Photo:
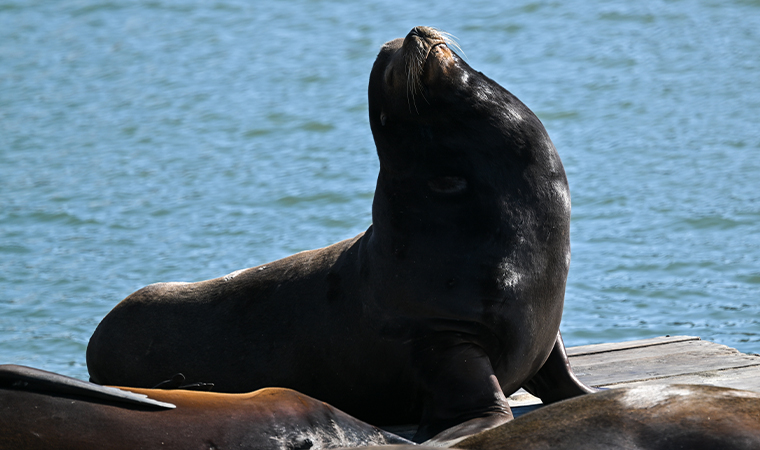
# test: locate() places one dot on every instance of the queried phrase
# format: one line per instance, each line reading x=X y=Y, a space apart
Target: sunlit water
x=145 y=141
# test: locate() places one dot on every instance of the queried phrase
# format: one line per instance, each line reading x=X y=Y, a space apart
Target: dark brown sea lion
x=41 y=410
x=652 y=417
x=452 y=298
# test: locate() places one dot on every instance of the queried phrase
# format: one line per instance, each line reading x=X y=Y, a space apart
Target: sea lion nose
x=423 y=32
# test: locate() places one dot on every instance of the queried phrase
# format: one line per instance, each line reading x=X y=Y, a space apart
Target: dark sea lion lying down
x=650 y=417
x=653 y=417
x=450 y=300
x=43 y=410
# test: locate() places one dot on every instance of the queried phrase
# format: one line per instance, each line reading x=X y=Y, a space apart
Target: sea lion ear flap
x=383 y=118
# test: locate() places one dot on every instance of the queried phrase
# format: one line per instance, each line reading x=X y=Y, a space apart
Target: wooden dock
x=661 y=360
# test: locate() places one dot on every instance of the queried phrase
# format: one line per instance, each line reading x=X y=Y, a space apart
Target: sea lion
x=452 y=297
x=40 y=409
x=649 y=417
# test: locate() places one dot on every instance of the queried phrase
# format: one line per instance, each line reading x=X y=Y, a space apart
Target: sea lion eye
x=448 y=185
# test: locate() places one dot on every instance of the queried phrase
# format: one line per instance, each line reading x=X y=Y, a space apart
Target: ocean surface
x=166 y=140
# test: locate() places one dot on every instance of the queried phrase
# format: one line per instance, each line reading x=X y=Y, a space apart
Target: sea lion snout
x=428 y=35
x=425 y=52
x=413 y=65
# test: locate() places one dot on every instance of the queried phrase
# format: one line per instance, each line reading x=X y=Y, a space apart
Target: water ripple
x=153 y=140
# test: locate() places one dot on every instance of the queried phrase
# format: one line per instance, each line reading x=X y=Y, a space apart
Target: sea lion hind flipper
x=30 y=379
x=555 y=380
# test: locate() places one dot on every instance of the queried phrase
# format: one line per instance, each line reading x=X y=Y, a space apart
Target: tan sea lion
x=43 y=410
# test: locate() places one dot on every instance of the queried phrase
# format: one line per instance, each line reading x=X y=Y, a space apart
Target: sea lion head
x=431 y=113
x=412 y=66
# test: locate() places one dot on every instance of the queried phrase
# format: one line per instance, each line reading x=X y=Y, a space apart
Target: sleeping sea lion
x=43 y=410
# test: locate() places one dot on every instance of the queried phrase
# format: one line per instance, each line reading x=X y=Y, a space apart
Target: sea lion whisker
x=411 y=85
x=407 y=65
x=408 y=87
x=422 y=91
x=451 y=41
x=413 y=80
x=417 y=78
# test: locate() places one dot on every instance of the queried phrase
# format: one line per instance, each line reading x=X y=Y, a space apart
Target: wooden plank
x=664 y=361
x=679 y=353
x=747 y=378
x=617 y=346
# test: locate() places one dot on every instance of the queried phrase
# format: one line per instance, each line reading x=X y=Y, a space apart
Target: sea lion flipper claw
x=175 y=382
x=171 y=383
x=200 y=386
x=555 y=380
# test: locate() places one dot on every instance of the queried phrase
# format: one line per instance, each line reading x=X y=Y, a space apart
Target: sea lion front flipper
x=31 y=379
x=555 y=380
x=462 y=393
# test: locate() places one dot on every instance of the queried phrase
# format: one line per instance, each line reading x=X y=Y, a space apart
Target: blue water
x=146 y=141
